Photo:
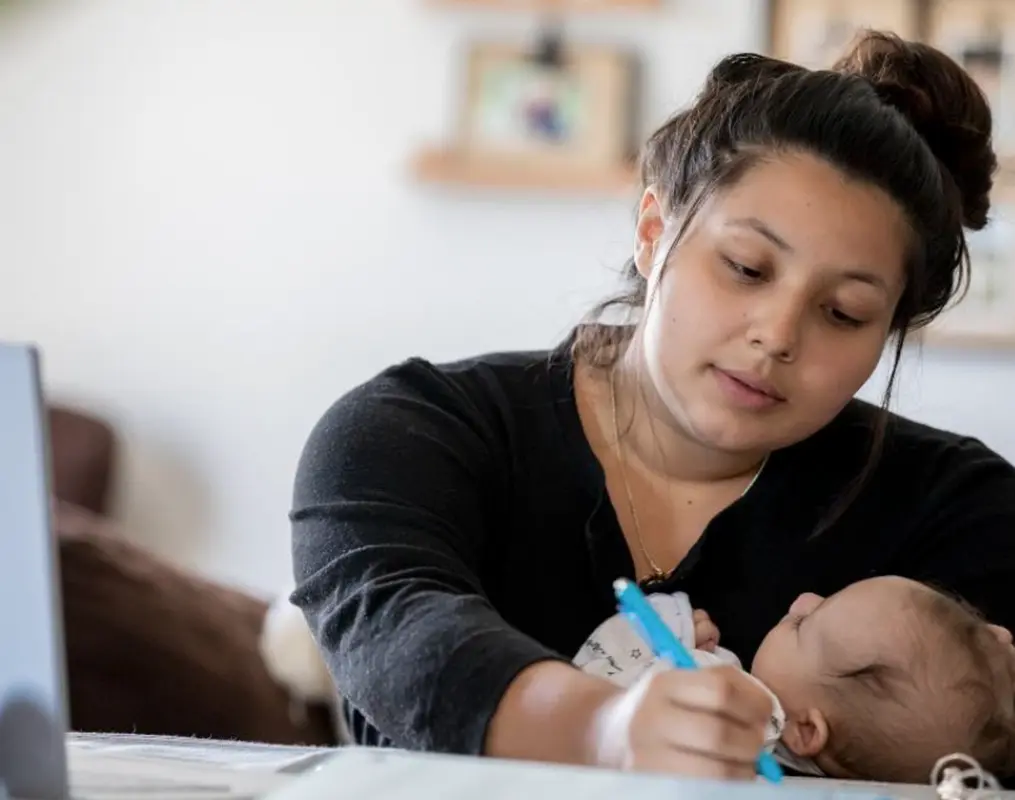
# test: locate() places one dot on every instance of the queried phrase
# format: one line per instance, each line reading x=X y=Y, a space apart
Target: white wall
x=205 y=222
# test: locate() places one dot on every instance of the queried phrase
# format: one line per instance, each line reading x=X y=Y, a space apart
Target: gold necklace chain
x=658 y=574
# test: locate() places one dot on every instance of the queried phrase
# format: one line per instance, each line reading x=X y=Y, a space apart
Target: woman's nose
x=805 y=604
x=776 y=330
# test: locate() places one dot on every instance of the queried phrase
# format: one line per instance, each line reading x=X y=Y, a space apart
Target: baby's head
x=883 y=678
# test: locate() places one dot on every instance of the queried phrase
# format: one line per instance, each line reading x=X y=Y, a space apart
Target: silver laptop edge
x=33 y=693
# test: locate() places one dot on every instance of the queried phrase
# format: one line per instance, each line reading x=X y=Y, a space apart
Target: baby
x=876 y=682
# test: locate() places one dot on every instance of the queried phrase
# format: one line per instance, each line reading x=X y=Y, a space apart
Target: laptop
x=33 y=685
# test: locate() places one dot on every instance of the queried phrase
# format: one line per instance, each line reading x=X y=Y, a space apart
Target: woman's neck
x=651 y=438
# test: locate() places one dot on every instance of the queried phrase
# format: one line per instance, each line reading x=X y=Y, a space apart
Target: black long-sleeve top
x=451 y=527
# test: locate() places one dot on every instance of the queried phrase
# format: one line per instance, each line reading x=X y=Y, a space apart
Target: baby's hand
x=706 y=634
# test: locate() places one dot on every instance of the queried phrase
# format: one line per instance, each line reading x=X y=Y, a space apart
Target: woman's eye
x=743 y=271
x=842 y=318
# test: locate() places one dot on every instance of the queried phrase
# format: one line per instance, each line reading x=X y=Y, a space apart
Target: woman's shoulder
x=913 y=460
x=940 y=505
x=470 y=386
x=907 y=439
x=421 y=423
x=473 y=404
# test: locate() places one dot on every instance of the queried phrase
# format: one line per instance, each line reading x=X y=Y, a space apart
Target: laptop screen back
x=33 y=718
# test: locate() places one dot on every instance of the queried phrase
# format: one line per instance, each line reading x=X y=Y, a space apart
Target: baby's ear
x=806 y=733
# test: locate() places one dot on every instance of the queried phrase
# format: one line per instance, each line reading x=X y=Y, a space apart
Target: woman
x=457 y=527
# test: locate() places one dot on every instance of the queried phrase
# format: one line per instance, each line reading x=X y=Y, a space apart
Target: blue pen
x=639 y=612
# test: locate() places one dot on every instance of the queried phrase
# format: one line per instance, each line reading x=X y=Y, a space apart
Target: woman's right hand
x=707 y=723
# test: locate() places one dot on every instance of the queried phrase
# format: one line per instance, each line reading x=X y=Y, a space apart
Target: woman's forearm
x=549 y=713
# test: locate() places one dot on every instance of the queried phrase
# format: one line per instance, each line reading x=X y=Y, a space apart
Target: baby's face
x=821 y=639
x=868 y=655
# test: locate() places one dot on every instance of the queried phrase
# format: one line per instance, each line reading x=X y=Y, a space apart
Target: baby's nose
x=805 y=604
x=1003 y=634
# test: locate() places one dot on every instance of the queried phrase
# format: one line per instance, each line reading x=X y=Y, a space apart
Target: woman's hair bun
x=942 y=102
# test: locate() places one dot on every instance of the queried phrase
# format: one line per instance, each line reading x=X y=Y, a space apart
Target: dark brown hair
x=899 y=115
x=957 y=695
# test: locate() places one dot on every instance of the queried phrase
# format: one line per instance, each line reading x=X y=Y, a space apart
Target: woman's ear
x=648 y=232
x=806 y=733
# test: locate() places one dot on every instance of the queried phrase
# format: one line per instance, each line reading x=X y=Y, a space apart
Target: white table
x=359 y=774
x=103 y=767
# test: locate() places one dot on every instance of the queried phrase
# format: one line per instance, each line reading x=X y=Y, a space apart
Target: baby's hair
x=958 y=696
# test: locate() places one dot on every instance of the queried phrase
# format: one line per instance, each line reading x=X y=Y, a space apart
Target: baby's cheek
x=772 y=657
x=781 y=668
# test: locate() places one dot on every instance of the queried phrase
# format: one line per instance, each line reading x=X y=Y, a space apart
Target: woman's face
x=774 y=307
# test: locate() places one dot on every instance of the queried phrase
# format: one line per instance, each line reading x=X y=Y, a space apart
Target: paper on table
x=231 y=754
x=167 y=768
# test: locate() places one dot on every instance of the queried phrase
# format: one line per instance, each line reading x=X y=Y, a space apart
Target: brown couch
x=151 y=648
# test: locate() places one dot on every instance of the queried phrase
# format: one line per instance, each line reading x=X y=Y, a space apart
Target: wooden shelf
x=948 y=340
x=452 y=168
x=571 y=6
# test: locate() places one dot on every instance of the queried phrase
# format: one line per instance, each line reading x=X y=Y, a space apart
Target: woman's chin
x=729 y=433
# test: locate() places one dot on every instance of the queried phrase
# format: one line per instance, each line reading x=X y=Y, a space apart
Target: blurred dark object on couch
x=151 y=648
x=82 y=458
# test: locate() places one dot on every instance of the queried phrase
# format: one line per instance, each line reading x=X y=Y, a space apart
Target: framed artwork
x=980 y=35
x=557 y=106
x=814 y=33
x=986 y=315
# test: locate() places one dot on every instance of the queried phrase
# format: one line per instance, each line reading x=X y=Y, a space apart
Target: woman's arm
x=551 y=712
x=388 y=528
x=708 y=723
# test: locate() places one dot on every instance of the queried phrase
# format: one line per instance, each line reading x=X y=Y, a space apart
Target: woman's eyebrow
x=870 y=278
x=755 y=224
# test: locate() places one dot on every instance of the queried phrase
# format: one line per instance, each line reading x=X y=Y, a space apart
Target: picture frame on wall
x=980 y=35
x=985 y=315
x=814 y=33
x=554 y=106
